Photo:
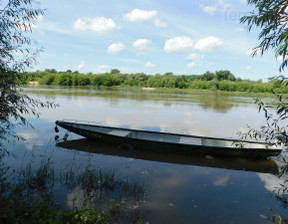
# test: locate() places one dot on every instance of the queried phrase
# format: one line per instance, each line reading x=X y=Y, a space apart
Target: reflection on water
x=177 y=189
x=244 y=164
x=207 y=100
x=272 y=182
x=187 y=112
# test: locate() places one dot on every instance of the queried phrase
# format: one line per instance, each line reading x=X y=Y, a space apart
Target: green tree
x=208 y=76
x=48 y=79
x=17 y=53
x=272 y=18
x=224 y=75
x=115 y=71
x=53 y=70
x=63 y=79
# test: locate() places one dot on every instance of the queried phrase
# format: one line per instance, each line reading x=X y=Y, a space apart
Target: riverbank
x=220 y=81
x=85 y=89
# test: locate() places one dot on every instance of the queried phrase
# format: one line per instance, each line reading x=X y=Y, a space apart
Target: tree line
x=222 y=80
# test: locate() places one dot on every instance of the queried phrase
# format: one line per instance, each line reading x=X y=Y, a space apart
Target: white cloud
x=208 y=44
x=81 y=65
x=158 y=22
x=80 y=25
x=222 y=181
x=138 y=15
x=194 y=56
x=209 y=9
x=28 y=134
x=116 y=48
x=97 y=24
x=150 y=65
x=272 y=182
x=191 y=65
x=221 y=5
x=179 y=45
x=248 y=67
x=102 y=68
x=141 y=44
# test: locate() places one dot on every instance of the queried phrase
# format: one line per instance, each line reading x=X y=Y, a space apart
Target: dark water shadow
x=243 y=164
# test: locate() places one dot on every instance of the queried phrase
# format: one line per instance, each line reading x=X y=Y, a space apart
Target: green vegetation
x=220 y=80
x=27 y=196
x=18 y=52
x=272 y=19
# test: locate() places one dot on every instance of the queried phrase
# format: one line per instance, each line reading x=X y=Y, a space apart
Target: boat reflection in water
x=234 y=163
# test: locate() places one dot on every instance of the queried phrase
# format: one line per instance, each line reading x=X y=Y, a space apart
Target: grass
x=27 y=196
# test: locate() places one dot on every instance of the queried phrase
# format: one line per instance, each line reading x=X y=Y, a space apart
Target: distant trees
x=208 y=76
x=105 y=80
x=222 y=80
x=168 y=80
x=224 y=75
x=53 y=70
x=115 y=71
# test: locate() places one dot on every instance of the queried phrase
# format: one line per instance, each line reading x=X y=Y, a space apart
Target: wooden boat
x=230 y=163
x=128 y=139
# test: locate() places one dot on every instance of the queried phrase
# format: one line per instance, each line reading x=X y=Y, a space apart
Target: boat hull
x=118 y=138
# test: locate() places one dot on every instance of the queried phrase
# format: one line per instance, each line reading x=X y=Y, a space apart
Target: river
x=173 y=189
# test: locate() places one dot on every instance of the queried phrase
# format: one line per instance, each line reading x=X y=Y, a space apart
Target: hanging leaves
x=17 y=53
x=272 y=17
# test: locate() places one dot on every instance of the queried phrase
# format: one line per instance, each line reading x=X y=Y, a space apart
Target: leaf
x=283 y=118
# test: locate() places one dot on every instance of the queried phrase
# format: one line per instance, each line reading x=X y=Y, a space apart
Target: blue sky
x=183 y=37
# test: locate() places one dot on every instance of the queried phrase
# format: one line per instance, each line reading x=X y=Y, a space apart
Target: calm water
x=178 y=189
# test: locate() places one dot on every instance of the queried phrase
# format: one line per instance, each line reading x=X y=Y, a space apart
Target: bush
x=47 y=79
x=63 y=80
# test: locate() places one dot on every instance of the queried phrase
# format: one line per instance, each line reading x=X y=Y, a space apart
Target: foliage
x=225 y=75
x=222 y=80
x=271 y=16
x=17 y=19
x=208 y=76
x=274 y=132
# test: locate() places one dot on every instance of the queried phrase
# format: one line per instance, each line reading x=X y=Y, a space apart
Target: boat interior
x=175 y=138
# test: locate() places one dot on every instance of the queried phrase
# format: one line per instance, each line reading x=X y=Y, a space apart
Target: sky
x=150 y=36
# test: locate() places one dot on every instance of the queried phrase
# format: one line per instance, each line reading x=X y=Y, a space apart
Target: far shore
x=148 y=89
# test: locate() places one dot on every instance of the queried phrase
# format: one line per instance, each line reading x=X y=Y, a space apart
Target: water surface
x=179 y=189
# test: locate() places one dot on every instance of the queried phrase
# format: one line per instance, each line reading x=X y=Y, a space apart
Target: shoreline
x=152 y=89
